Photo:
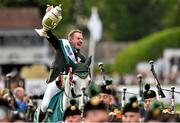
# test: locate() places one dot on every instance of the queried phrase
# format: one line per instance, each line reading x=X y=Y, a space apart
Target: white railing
x=24 y=55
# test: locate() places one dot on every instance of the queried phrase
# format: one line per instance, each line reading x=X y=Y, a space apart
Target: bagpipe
x=165 y=109
x=114 y=109
x=171 y=109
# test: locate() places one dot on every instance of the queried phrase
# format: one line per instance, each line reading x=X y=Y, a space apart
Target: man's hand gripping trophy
x=50 y=20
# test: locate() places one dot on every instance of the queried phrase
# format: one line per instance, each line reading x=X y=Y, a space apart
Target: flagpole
x=95 y=27
x=92 y=53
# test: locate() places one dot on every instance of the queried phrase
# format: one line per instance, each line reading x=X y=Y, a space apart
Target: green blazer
x=59 y=64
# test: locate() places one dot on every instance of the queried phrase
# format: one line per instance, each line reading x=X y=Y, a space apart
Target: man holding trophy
x=64 y=49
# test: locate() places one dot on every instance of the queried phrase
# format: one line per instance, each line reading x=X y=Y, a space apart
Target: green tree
x=133 y=19
x=123 y=20
x=172 y=18
x=146 y=49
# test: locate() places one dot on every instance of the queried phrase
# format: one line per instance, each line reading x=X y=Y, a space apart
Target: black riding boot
x=41 y=116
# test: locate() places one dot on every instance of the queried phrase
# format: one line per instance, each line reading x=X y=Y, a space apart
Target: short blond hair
x=70 y=35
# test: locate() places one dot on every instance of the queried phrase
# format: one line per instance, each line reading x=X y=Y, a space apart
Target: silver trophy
x=50 y=21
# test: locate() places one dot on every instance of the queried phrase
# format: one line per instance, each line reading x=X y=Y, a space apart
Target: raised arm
x=53 y=39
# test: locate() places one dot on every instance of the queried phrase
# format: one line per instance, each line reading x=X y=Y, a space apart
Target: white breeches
x=51 y=90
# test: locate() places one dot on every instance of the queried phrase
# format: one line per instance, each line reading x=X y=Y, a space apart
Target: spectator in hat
x=95 y=111
x=149 y=96
x=72 y=113
x=106 y=93
x=130 y=111
x=155 y=112
x=108 y=96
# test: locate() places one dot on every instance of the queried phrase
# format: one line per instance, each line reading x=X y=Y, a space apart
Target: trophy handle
x=42 y=33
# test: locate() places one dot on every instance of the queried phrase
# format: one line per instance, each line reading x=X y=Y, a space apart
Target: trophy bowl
x=50 y=21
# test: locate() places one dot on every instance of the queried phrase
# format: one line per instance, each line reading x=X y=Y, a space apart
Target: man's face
x=20 y=94
x=131 y=117
x=77 y=40
x=97 y=116
x=147 y=103
x=106 y=98
x=73 y=118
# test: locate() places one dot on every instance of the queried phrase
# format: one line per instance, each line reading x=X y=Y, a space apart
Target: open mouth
x=79 y=44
